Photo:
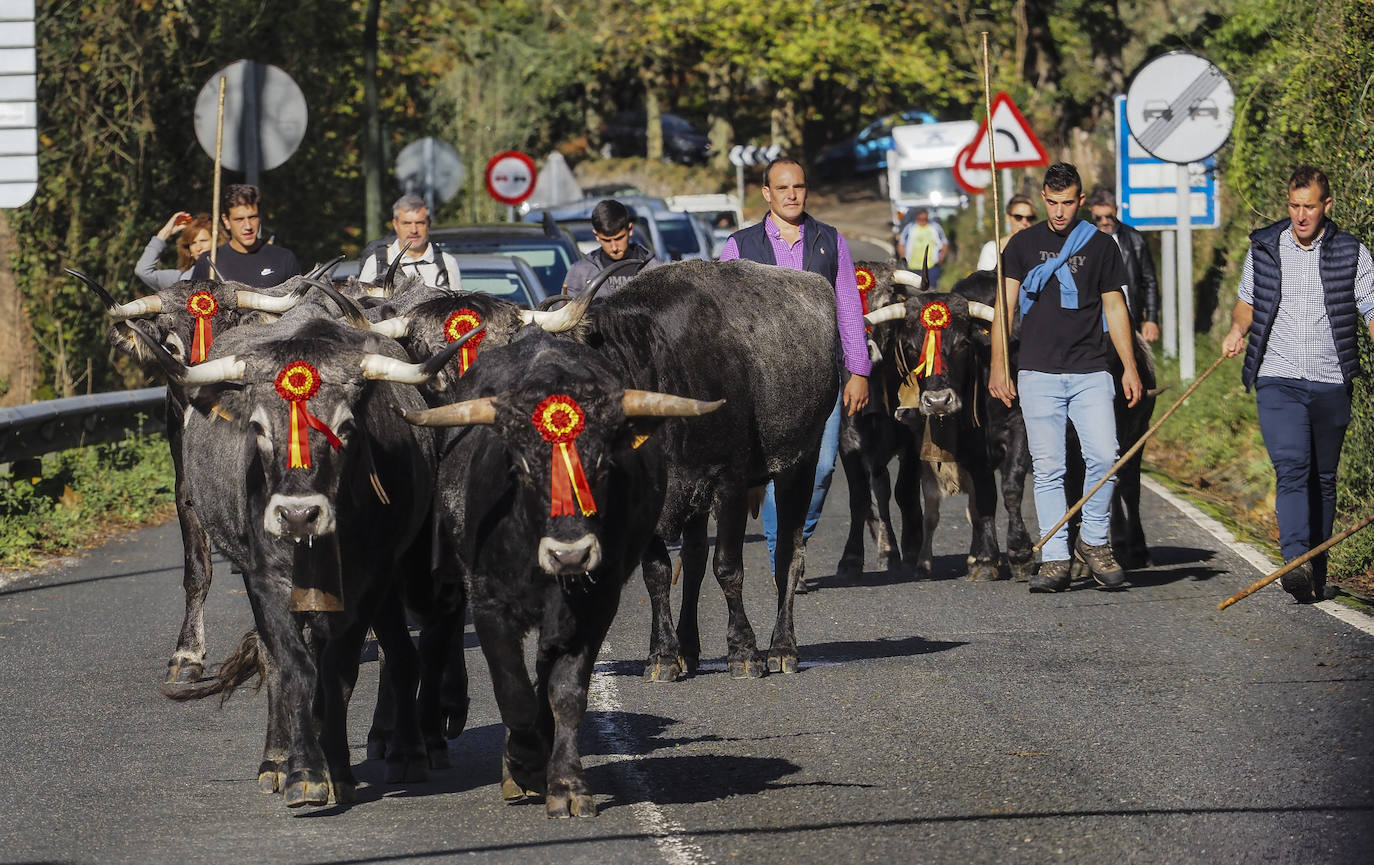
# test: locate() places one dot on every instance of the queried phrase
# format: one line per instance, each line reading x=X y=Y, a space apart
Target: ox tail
x=246 y=662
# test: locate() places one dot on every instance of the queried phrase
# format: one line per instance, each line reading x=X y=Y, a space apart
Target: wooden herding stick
x=219 y=150
x=1130 y=453
x=1000 y=299
x=1300 y=560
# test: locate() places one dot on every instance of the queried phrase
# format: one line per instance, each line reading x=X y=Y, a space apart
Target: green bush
x=81 y=495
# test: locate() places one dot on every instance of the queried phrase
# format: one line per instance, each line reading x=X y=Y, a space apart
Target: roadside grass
x=79 y=497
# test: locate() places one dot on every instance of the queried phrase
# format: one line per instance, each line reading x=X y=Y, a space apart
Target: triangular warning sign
x=1016 y=146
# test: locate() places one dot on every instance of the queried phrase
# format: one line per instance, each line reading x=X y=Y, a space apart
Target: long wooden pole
x=1000 y=299
x=1299 y=561
x=1140 y=443
x=219 y=151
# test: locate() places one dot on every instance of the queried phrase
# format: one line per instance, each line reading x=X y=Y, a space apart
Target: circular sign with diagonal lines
x=1180 y=107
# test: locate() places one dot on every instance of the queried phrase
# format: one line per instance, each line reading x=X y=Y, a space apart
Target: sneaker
x=1051 y=577
x=1298 y=583
x=1101 y=564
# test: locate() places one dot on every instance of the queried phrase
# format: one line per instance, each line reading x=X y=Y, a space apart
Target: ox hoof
x=184 y=672
x=983 y=572
x=407 y=770
x=782 y=662
x=748 y=668
x=656 y=670
x=849 y=570
x=1021 y=571
x=574 y=805
x=271 y=777
x=437 y=749
x=513 y=792
x=345 y=793
x=923 y=570
x=300 y=790
x=376 y=747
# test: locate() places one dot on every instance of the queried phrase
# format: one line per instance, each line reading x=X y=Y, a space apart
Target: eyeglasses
x=1022 y=217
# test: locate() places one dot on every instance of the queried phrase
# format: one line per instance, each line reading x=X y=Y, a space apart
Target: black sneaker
x=1051 y=577
x=1101 y=564
x=1298 y=583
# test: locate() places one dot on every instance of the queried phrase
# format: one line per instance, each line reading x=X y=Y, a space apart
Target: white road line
x=669 y=836
x=1258 y=560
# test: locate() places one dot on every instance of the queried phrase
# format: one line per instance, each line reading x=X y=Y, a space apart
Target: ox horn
x=389 y=283
x=386 y=368
x=350 y=310
x=137 y=308
x=907 y=277
x=470 y=412
x=980 y=310
x=891 y=312
x=323 y=271
x=217 y=371
x=248 y=299
x=567 y=317
x=396 y=328
x=647 y=403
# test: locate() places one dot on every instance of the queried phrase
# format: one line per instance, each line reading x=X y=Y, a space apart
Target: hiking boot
x=1051 y=577
x=1101 y=564
x=1298 y=583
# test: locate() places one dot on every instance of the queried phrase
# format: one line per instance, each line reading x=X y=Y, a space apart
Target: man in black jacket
x=1142 y=294
x=613 y=227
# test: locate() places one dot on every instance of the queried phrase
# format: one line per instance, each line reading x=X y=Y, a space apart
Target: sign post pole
x=1168 y=315
x=1186 y=363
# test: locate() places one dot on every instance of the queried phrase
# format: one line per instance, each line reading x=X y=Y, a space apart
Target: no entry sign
x=510 y=177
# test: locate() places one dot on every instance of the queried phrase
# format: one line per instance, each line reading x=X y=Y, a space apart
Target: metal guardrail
x=60 y=424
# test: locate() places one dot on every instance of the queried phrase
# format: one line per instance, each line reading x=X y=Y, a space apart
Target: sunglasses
x=1022 y=217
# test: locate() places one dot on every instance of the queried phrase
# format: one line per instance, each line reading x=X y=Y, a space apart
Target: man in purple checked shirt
x=789 y=237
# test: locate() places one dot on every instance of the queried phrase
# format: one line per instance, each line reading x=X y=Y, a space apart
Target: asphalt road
x=937 y=722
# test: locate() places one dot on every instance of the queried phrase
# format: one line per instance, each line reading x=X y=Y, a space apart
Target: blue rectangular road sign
x=1147 y=187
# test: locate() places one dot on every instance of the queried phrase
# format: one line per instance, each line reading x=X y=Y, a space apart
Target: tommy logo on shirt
x=1075 y=261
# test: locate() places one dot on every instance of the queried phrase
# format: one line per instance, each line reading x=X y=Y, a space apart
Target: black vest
x=820 y=255
x=1340 y=255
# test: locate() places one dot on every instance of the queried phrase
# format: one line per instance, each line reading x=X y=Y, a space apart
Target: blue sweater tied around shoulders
x=1035 y=281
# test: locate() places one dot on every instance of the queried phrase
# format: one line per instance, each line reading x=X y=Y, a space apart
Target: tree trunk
x=16 y=346
x=372 y=136
x=653 y=122
x=722 y=131
x=785 y=123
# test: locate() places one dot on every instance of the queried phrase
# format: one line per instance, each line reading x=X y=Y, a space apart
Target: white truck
x=920 y=168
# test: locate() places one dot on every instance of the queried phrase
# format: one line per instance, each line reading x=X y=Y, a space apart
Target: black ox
x=548 y=497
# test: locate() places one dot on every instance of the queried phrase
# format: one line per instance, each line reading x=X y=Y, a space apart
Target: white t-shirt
x=423 y=267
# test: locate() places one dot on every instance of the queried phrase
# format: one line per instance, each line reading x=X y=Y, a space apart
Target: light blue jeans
x=1048 y=401
x=825 y=468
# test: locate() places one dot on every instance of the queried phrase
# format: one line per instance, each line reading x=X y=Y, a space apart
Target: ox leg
x=1015 y=465
x=907 y=494
x=187 y=663
x=406 y=758
x=694 y=550
x=880 y=524
x=1127 y=531
x=272 y=769
x=792 y=493
x=526 y=755
x=665 y=662
x=984 y=556
x=851 y=566
x=742 y=652
x=930 y=519
x=565 y=672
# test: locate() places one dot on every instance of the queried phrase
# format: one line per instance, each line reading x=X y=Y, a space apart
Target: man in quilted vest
x=1305 y=288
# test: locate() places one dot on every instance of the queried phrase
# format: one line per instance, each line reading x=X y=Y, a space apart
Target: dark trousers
x=1303 y=424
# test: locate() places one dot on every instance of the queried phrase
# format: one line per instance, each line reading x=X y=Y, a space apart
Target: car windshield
x=643 y=233
x=549 y=260
x=921 y=182
x=678 y=235
x=673 y=123
x=501 y=283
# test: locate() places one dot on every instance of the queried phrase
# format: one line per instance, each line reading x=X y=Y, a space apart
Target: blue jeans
x=825 y=468
x=1303 y=424
x=1048 y=401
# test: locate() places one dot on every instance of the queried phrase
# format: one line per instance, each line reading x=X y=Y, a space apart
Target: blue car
x=865 y=152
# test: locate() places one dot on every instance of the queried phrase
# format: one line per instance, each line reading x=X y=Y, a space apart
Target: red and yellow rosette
x=560 y=420
x=935 y=317
x=297 y=382
x=203 y=306
x=864 y=280
x=461 y=322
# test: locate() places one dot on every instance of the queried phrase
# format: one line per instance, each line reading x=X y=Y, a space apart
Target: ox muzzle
x=575 y=558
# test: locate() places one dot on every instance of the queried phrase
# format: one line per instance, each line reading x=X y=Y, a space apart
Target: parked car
x=505 y=276
x=624 y=135
x=672 y=235
x=546 y=248
x=865 y=151
x=719 y=215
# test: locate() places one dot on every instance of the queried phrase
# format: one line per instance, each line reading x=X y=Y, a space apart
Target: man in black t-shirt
x=246 y=258
x=1067 y=280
